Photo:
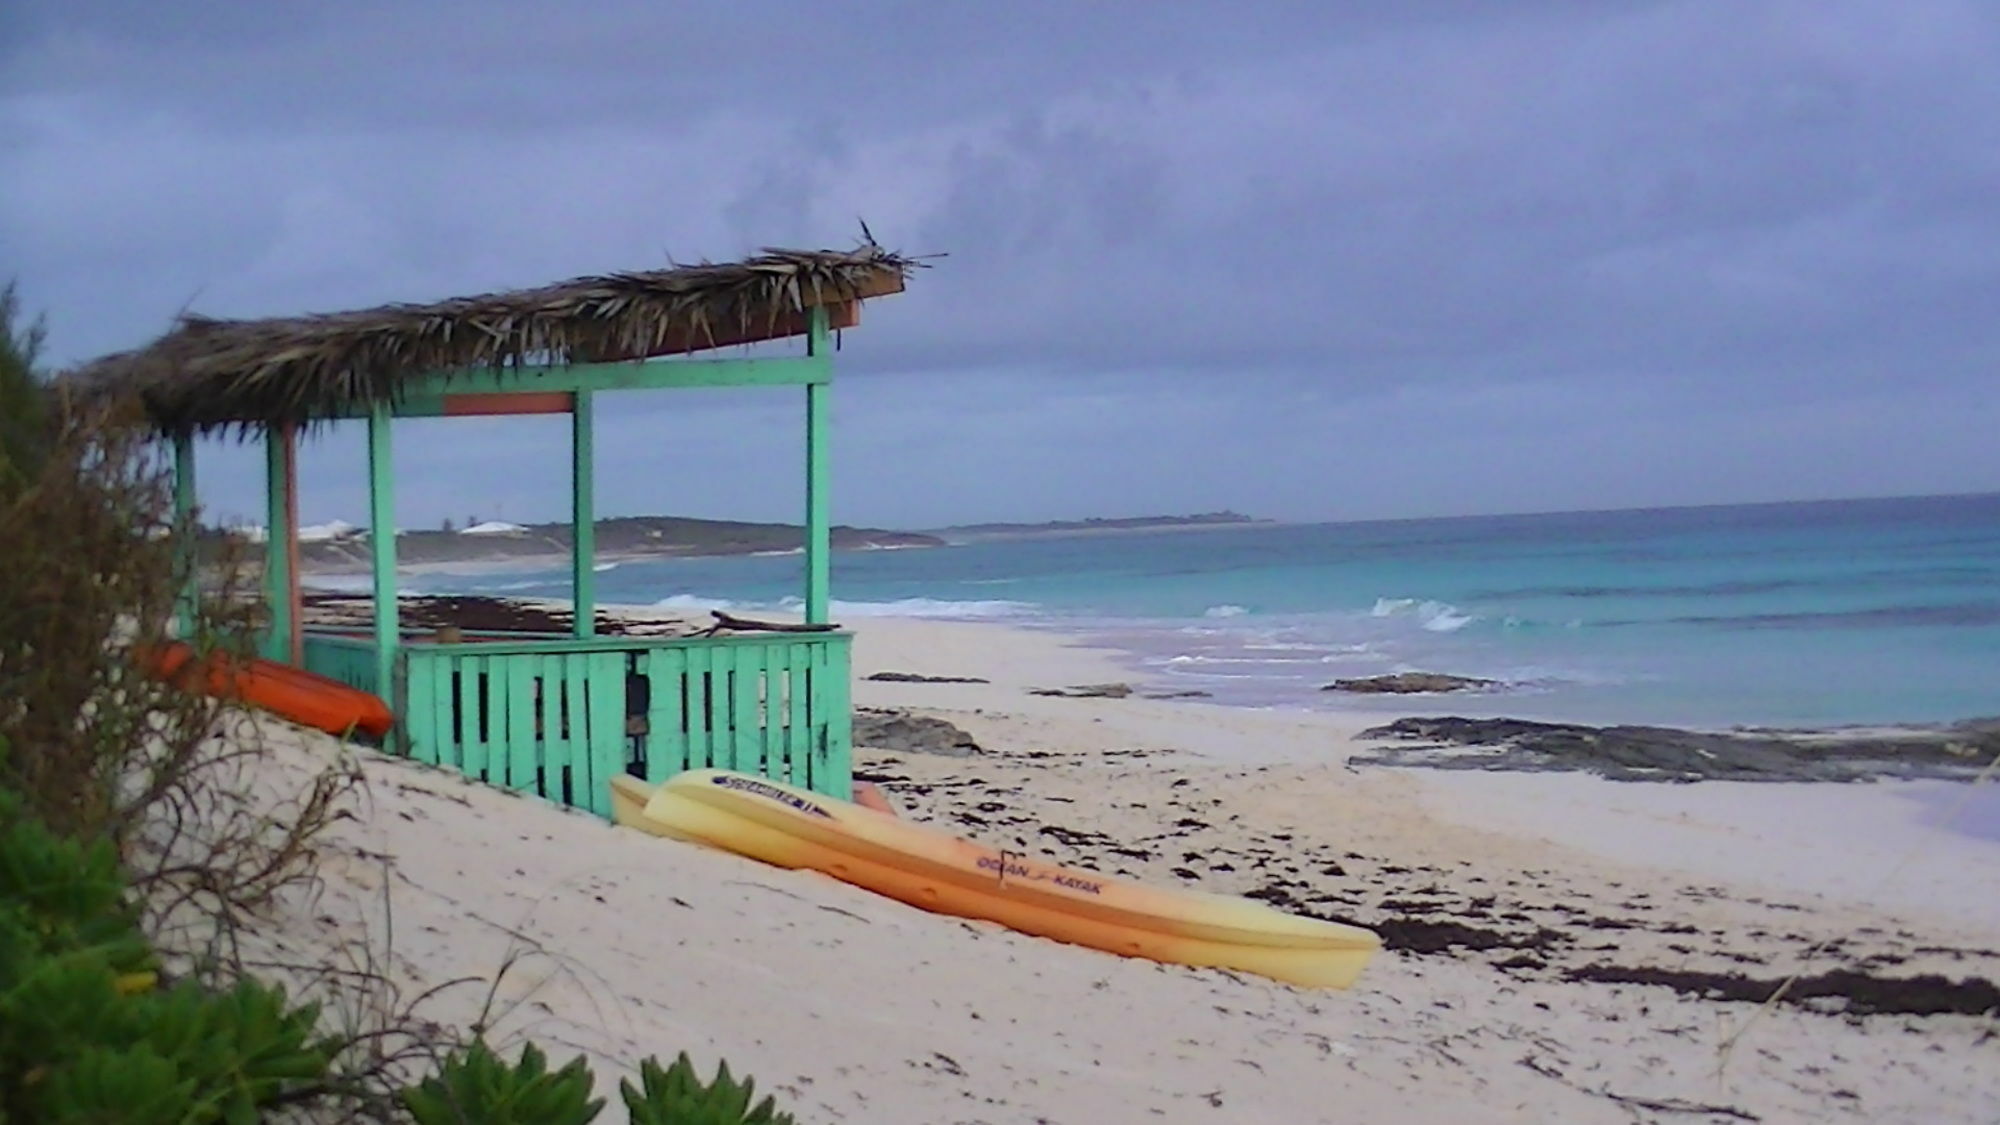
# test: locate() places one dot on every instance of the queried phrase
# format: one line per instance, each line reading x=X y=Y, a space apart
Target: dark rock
x=920 y=678
x=1190 y=694
x=902 y=732
x=1406 y=683
x=1087 y=691
x=1640 y=753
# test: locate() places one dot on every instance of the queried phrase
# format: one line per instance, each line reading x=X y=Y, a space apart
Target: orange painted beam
x=519 y=402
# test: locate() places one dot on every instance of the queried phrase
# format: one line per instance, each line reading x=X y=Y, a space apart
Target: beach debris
x=731 y=621
x=1086 y=691
x=903 y=732
x=1640 y=753
x=1857 y=993
x=921 y=678
x=1411 y=683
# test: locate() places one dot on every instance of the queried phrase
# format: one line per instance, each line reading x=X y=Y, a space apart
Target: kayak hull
x=306 y=698
x=794 y=828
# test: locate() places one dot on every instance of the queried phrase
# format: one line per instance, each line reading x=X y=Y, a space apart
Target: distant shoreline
x=1067 y=528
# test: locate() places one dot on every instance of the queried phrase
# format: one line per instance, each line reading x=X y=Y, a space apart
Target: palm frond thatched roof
x=208 y=373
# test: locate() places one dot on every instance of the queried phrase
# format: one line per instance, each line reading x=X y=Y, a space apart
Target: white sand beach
x=1493 y=892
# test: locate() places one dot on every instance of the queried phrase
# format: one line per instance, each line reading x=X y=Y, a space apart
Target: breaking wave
x=1436 y=616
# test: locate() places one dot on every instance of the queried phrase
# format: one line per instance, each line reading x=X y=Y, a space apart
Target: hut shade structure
x=556 y=715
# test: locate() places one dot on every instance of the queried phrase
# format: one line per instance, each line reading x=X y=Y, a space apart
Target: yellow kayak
x=796 y=828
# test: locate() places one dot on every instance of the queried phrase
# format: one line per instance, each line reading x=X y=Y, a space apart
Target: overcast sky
x=1308 y=260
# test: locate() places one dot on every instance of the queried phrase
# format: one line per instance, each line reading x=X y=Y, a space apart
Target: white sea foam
x=921 y=607
x=1436 y=616
x=692 y=602
x=1224 y=611
x=602 y=567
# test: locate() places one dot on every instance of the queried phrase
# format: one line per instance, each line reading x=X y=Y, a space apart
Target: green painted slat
x=798 y=697
x=833 y=772
x=497 y=752
x=582 y=778
x=607 y=726
x=700 y=729
x=523 y=749
x=666 y=739
x=815 y=710
x=746 y=742
x=419 y=722
x=555 y=733
x=772 y=680
x=471 y=740
x=431 y=711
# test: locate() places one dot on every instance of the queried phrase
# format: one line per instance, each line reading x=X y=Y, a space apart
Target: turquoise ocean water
x=1783 y=614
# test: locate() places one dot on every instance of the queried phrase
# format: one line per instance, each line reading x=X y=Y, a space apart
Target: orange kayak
x=796 y=828
x=307 y=698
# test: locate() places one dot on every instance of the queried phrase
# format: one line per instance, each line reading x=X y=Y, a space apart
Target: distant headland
x=1096 y=524
x=339 y=547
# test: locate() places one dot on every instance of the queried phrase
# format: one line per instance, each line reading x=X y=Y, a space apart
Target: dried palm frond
x=249 y=374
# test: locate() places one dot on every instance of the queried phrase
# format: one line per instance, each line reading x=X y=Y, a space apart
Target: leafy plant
x=64 y=894
x=84 y=1038
x=477 y=1087
x=677 y=1096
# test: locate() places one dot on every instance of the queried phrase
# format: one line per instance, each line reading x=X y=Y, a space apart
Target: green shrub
x=677 y=1096
x=84 y=1038
x=477 y=1087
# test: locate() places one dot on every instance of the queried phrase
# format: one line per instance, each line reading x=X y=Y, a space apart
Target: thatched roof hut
x=207 y=373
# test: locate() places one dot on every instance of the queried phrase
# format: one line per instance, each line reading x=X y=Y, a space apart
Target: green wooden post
x=382 y=538
x=184 y=525
x=818 y=535
x=278 y=532
x=583 y=515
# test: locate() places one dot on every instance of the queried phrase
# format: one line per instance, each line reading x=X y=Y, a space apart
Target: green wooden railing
x=350 y=661
x=559 y=716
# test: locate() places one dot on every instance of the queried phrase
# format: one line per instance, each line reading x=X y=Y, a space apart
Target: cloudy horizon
x=1329 y=262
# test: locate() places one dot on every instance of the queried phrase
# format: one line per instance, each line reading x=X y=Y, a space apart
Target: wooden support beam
x=519 y=390
x=818 y=532
x=190 y=539
x=583 y=515
x=382 y=543
x=520 y=402
x=278 y=534
x=294 y=570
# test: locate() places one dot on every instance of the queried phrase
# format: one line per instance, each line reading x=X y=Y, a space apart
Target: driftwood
x=729 y=621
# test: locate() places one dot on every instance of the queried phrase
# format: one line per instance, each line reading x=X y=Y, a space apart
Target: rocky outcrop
x=906 y=733
x=1086 y=691
x=1411 y=683
x=920 y=678
x=1641 y=753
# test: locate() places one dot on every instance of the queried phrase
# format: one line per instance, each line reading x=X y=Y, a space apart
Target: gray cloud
x=1168 y=226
